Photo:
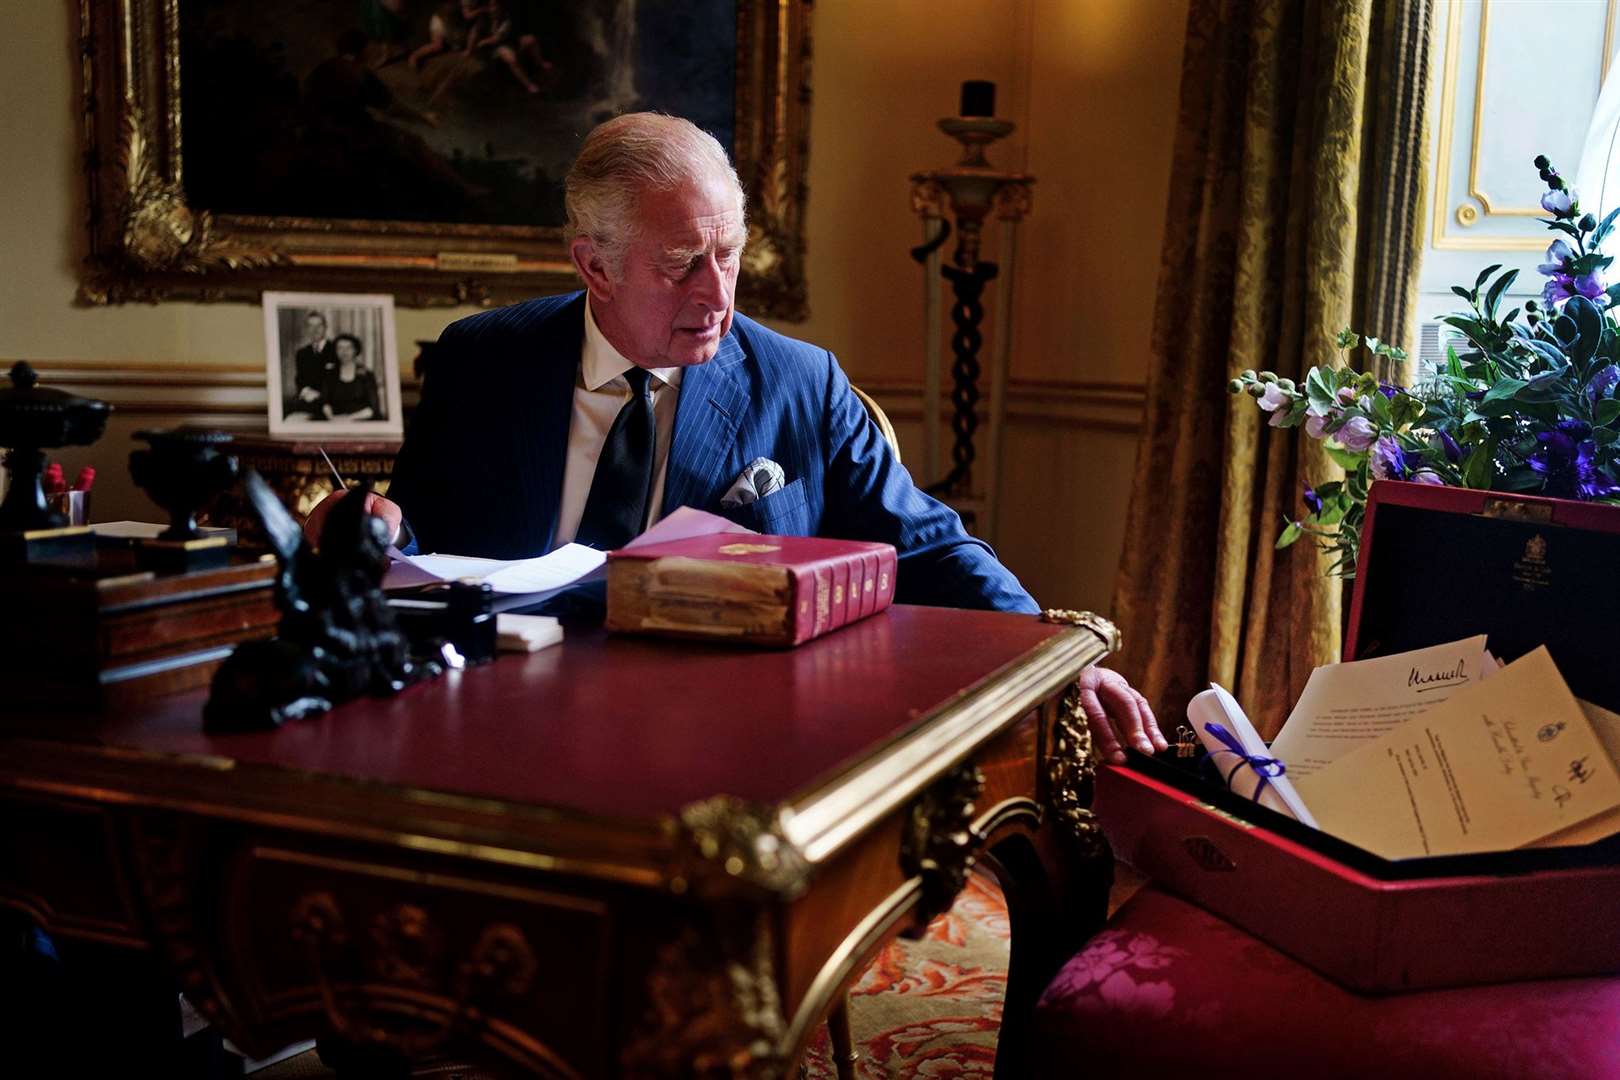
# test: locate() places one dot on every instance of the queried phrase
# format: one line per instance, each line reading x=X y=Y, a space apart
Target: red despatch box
x=1437 y=564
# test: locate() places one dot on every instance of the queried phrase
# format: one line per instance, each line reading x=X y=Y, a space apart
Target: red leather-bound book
x=764 y=590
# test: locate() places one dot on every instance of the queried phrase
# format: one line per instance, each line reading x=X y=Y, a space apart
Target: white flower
x=1274 y=398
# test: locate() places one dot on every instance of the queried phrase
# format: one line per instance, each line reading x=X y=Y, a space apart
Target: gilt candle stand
x=970 y=191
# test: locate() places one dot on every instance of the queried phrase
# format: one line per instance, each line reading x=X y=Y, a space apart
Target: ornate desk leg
x=844 y=1055
x=1057 y=887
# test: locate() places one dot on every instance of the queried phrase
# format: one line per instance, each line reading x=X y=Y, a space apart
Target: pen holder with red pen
x=34 y=419
x=73 y=503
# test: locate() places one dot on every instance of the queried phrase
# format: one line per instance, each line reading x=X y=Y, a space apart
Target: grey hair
x=625 y=157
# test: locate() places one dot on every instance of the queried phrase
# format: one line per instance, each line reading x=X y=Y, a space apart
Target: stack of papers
x=527 y=582
x=1439 y=751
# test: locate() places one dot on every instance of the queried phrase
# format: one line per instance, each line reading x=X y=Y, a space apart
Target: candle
x=978 y=98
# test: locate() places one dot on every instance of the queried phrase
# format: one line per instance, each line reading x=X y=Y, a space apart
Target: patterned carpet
x=932 y=1007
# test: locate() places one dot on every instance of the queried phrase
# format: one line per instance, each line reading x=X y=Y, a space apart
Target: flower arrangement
x=1529 y=405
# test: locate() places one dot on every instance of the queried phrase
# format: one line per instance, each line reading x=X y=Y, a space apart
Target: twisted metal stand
x=967 y=313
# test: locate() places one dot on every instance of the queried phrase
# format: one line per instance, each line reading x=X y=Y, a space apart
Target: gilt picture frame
x=177 y=210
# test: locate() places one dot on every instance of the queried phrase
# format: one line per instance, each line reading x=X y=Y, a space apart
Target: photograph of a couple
x=332 y=365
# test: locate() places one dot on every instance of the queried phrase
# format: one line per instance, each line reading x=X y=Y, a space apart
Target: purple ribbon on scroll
x=1267 y=767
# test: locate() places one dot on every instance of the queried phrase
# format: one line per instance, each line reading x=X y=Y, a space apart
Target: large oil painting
x=416 y=147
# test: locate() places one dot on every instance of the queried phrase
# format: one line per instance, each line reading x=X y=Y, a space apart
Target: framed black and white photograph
x=331 y=364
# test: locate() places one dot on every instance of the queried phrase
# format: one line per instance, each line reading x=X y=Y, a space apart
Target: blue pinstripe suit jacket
x=481 y=470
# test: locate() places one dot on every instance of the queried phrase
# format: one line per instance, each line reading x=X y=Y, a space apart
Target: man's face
x=315 y=326
x=672 y=301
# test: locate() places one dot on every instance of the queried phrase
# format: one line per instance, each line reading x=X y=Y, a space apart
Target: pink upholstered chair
x=1167 y=989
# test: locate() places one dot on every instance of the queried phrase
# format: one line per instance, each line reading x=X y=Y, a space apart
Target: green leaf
x=1602 y=231
x=1454 y=366
x=1289 y=534
x=1503 y=390
x=1464 y=293
x=1494 y=296
x=1477 y=468
x=1473 y=328
x=1318 y=391
x=1543 y=388
x=1606 y=412
x=1346 y=459
x=1521 y=478
x=1485 y=273
x=1372 y=343
x=1548 y=352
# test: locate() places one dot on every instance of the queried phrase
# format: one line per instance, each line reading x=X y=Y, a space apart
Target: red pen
x=55 y=483
x=87 y=477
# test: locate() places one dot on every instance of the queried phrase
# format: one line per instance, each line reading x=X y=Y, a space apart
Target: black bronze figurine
x=337 y=639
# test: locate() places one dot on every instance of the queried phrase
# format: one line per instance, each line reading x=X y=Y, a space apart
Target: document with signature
x=1346 y=706
x=1497 y=765
x=1607 y=726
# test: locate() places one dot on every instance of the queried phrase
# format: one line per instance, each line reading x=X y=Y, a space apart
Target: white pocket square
x=759 y=479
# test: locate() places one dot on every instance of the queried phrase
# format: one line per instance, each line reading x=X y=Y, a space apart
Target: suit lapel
x=706 y=417
x=547 y=411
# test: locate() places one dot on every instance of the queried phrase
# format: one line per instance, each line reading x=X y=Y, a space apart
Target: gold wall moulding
x=155 y=236
x=1466 y=214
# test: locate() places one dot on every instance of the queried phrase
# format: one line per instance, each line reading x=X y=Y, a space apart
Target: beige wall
x=1092 y=85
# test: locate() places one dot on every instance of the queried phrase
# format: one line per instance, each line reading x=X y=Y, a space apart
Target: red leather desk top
x=620 y=726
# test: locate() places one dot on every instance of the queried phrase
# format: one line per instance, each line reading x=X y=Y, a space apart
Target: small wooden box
x=111 y=635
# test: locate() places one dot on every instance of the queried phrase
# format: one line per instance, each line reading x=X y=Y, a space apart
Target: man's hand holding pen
x=375 y=504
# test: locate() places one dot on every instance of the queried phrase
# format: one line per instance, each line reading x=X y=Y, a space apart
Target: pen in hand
x=337 y=477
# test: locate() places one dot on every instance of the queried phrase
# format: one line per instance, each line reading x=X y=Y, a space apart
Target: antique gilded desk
x=614 y=857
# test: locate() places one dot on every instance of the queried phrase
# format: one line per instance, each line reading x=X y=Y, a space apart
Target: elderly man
x=587 y=417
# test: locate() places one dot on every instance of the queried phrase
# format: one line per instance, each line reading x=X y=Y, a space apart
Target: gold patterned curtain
x=1260 y=269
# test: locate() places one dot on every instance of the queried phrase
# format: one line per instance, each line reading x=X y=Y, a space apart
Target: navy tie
x=617 y=504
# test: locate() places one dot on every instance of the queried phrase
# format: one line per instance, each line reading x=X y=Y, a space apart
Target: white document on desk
x=1496 y=766
x=544 y=576
x=1346 y=706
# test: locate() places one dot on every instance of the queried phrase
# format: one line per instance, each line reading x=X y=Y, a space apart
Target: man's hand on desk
x=375 y=504
x=1118 y=715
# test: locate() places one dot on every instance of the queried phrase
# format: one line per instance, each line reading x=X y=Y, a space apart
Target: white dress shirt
x=600 y=391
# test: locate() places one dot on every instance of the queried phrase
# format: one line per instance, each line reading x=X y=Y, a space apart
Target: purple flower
x=1559 y=287
x=1388 y=460
x=1558 y=203
x=1603 y=382
x=1449 y=446
x=1346 y=395
x=1567 y=461
x=1316 y=426
x=1589 y=285
x=1389 y=390
x=1313 y=500
x=1357 y=434
x=1558 y=256
x=1426 y=476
